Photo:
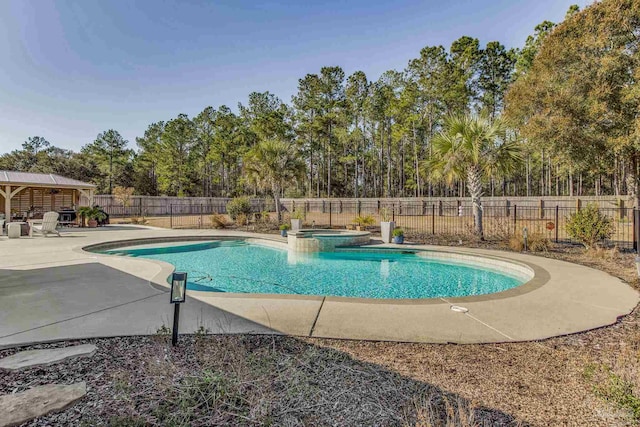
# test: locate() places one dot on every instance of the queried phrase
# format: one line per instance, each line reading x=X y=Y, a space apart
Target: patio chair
x=45 y=226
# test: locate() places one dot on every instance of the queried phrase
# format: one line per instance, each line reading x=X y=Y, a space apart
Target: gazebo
x=28 y=195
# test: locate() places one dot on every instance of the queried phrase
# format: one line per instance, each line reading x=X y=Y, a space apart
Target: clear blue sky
x=71 y=69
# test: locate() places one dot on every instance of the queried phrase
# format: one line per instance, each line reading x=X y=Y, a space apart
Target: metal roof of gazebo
x=40 y=180
x=12 y=183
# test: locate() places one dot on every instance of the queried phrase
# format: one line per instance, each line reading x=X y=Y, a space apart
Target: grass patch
x=614 y=389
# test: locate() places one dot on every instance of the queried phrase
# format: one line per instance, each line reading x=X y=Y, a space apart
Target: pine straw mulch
x=591 y=378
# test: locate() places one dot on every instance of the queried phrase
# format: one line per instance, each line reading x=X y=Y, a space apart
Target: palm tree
x=273 y=164
x=473 y=148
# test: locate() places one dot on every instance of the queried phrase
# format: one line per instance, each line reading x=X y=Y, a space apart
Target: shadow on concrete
x=94 y=300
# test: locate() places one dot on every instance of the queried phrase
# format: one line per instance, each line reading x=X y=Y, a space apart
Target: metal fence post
x=201 y=223
x=557 y=224
x=636 y=229
x=170 y=216
x=330 y=225
x=393 y=212
x=515 y=218
x=433 y=219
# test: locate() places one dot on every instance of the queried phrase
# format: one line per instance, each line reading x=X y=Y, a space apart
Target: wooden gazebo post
x=8 y=195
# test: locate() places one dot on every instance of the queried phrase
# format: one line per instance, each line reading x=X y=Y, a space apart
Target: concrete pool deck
x=50 y=289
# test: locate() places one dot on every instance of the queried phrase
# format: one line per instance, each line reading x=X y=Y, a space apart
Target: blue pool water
x=236 y=266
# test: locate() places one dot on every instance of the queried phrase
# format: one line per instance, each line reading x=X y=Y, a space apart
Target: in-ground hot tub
x=314 y=240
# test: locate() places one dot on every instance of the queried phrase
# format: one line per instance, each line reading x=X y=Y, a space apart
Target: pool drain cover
x=459 y=309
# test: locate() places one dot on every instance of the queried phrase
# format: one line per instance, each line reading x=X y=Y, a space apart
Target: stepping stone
x=31 y=358
x=16 y=409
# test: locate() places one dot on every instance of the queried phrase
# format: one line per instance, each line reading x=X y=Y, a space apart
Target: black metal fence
x=417 y=218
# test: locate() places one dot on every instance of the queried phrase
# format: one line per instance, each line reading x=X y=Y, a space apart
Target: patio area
x=51 y=289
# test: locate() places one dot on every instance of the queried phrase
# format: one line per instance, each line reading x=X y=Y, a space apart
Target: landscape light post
x=178 y=296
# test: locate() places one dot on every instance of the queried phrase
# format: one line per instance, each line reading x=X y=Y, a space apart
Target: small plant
x=299 y=213
x=536 y=242
x=364 y=220
x=242 y=220
x=239 y=206
x=218 y=221
x=385 y=214
x=163 y=330
x=139 y=220
x=94 y=215
x=589 y=226
x=398 y=235
x=202 y=331
x=284 y=227
x=516 y=243
x=82 y=213
x=398 y=232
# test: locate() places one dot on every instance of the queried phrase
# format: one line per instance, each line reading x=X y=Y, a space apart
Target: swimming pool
x=242 y=267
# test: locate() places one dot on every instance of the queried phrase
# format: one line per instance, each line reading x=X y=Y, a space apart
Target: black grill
x=67 y=216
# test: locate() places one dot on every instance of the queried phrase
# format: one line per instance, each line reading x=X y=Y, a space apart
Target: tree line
x=569 y=96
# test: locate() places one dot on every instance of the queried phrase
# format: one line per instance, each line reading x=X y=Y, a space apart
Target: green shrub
x=239 y=206
x=398 y=232
x=589 y=226
x=284 y=227
x=364 y=220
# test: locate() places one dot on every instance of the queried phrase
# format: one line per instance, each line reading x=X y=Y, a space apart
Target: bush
x=265 y=217
x=536 y=242
x=284 y=227
x=516 y=243
x=364 y=220
x=242 y=220
x=398 y=232
x=589 y=226
x=239 y=206
x=218 y=221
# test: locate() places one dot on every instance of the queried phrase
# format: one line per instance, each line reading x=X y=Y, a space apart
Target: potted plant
x=83 y=212
x=296 y=219
x=398 y=236
x=94 y=215
x=363 y=221
x=283 y=230
x=386 y=225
